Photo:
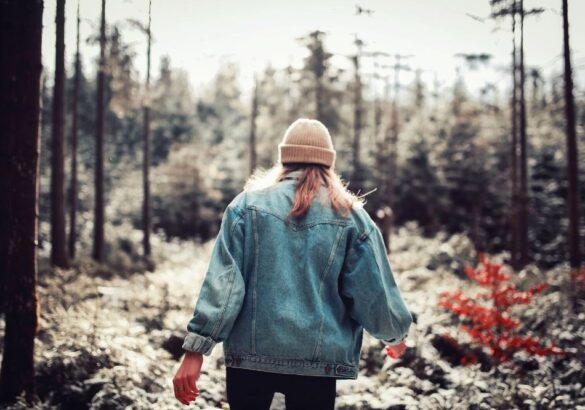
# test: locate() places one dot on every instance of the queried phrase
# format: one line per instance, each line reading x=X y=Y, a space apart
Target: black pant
x=254 y=390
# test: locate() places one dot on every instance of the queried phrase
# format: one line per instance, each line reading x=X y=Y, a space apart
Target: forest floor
x=108 y=340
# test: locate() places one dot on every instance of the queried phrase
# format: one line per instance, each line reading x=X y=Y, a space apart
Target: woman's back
x=294 y=272
x=298 y=270
x=301 y=288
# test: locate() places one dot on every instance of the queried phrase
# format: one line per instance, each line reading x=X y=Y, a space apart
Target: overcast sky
x=199 y=35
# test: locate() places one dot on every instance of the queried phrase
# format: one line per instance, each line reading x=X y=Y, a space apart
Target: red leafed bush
x=486 y=317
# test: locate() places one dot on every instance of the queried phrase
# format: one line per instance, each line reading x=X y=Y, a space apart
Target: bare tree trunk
x=58 y=236
x=289 y=95
x=572 y=150
x=377 y=119
x=254 y=115
x=98 y=243
x=393 y=157
x=395 y=130
x=357 y=121
x=146 y=146
x=514 y=151
x=523 y=203
x=21 y=24
x=73 y=188
x=383 y=177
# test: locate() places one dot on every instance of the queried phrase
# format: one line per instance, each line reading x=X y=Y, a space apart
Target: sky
x=199 y=36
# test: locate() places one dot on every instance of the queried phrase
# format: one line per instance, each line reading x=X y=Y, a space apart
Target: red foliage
x=578 y=276
x=486 y=314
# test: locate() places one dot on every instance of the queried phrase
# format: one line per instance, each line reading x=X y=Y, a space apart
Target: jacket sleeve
x=223 y=289
x=370 y=290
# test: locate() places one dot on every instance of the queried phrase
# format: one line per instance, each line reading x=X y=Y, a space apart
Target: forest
x=114 y=178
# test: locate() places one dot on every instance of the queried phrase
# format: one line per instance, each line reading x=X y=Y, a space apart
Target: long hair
x=340 y=198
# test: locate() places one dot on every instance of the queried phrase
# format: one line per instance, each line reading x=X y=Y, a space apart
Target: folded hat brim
x=306 y=154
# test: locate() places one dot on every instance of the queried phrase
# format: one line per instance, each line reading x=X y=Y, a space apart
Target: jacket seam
x=254 y=279
x=231 y=280
x=300 y=226
x=370 y=245
x=323 y=276
x=233 y=358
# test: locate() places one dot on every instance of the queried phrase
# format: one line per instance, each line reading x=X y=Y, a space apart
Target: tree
x=171 y=109
x=274 y=112
x=391 y=138
x=572 y=161
x=317 y=81
x=515 y=234
x=523 y=192
x=98 y=242
x=21 y=24
x=146 y=220
x=253 y=117
x=418 y=189
x=146 y=162
x=58 y=237
x=357 y=175
x=73 y=187
x=519 y=163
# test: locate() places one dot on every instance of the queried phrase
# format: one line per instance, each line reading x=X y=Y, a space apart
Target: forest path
x=100 y=343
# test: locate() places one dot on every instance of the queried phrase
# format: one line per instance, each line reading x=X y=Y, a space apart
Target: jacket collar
x=296 y=175
x=293 y=174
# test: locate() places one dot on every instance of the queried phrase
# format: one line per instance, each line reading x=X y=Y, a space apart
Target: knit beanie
x=307 y=141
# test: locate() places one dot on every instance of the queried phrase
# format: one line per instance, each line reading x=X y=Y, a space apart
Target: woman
x=298 y=270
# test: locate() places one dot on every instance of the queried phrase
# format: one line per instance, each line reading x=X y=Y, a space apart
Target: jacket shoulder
x=239 y=202
x=361 y=224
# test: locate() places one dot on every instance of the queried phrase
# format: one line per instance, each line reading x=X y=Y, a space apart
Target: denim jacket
x=294 y=296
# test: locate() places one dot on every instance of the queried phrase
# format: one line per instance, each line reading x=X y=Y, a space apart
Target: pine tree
x=98 y=244
x=21 y=27
x=58 y=236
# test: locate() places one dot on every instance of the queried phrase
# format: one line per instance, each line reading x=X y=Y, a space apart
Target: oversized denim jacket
x=294 y=296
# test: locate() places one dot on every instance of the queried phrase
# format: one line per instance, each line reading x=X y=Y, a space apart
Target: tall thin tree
x=21 y=28
x=393 y=133
x=58 y=236
x=73 y=187
x=514 y=211
x=357 y=116
x=253 y=117
x=523 y=191
x=519 y=158
x=98 y=241
x=572 y=150
x=146 y=220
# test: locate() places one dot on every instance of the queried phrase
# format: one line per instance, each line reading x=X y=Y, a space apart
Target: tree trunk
x=514 y=248
x=21 y=25
x=254 y=115
x=357 y=124
x=98 y=242
x=392 y=159
x=572 y=170
x=523 y=203
x=58 y=236
x=73 y=188
x=146 y=145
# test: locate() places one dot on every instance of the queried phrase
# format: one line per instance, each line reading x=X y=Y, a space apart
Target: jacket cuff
x=198 y=344
x=394 y=342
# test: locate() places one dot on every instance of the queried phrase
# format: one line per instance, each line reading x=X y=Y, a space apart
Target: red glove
x=395 y=351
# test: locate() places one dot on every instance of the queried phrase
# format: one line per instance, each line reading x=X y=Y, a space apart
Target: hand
x=185 y=381
x=395 y=351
